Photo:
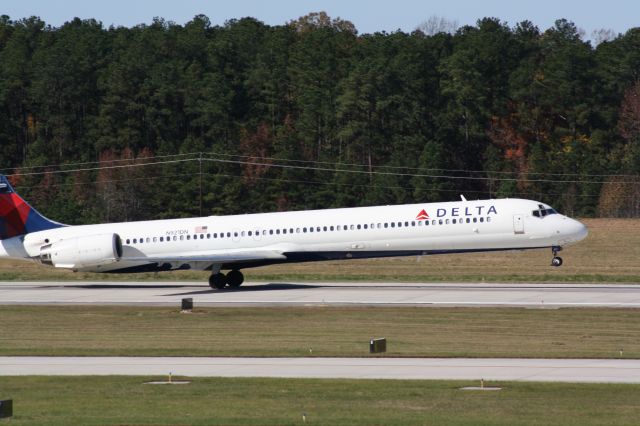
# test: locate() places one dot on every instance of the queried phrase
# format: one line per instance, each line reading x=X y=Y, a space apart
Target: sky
x=368 y=15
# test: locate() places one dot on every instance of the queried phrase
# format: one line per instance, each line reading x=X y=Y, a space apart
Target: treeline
x=167 y=120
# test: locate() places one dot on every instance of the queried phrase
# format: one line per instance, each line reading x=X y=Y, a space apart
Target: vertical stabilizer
x=16 y=216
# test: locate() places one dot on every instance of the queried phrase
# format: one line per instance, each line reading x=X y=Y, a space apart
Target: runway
x=345 y=293
x=542 y=370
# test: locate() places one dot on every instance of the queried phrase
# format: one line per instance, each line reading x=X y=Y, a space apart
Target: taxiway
x=545 y=370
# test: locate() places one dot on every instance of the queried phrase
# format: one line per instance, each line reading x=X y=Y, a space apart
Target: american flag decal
x=200 y=229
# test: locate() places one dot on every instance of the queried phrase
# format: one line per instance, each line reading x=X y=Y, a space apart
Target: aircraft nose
x=577 y=231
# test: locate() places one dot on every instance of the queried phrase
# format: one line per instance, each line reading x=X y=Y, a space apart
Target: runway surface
x=544 y=370
x=301 y=294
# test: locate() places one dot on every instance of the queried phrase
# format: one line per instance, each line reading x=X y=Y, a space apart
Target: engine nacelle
x=82 y=252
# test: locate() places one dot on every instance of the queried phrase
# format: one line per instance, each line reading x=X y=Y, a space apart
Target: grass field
x=610 y=253
x=411 y=332
x=227 y=401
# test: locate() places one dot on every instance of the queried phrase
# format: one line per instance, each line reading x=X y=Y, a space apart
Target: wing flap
x=226 y=257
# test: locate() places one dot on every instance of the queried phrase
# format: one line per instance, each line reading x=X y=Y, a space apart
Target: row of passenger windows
x=310 y=229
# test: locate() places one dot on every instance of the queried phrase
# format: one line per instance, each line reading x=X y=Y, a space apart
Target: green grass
x=327 y=331
x=230 y=401
x=609 y=254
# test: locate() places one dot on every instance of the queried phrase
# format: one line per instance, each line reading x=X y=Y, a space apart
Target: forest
x=165 y=120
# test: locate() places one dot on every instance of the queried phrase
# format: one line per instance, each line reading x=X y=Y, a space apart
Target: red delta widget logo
x=422 y=215
x=459 y=211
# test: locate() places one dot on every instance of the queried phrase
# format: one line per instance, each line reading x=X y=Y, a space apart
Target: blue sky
x=368 y=16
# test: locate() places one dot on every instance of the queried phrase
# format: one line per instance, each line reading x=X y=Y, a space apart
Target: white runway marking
x=301 y=294
x=544 y=370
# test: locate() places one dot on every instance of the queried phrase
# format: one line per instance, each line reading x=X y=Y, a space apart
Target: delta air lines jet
x=232 y=243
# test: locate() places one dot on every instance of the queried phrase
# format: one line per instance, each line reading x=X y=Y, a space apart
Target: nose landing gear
x=557 y=260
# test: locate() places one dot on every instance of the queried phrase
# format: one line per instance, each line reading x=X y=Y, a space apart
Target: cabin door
x=518 y=224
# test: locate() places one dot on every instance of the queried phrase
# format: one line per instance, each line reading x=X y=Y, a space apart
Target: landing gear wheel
x=218 y=281
x=556 y=261
x=235 y=278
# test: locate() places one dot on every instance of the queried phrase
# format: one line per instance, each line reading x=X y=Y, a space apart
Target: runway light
x=6 y=408
x=187 y=305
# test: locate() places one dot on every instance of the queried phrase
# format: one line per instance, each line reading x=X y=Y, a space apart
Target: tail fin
x=16 y=216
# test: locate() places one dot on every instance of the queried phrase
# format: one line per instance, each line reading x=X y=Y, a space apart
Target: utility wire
x=323 y=169
x=197 y=156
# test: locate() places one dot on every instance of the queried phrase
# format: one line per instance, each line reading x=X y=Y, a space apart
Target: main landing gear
x=233 y=279
x=557 y=260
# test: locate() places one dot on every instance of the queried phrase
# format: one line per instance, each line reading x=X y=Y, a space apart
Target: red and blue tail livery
x=17 y=217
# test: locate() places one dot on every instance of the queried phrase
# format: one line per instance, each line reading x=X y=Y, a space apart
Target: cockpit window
x=542 y=211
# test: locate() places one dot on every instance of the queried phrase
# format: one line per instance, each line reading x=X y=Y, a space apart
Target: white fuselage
x=210 y=242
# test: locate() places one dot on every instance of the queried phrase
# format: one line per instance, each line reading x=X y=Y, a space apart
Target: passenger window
x=475 y=219
x=284 y=231
x=489 y=219
x=235 y=234
x=155 y=239
x=468 y=220
x=188 y=237
x=433 y=222
x=453 y=221
x=215 y=235
x=242 y=234
x=128 y=241
x=135 y=240
x=440 y=222
x=338 y=228
x=359 y=227
x=413 y=223
x=250 y=233
x=419 y=223
x=482 y=219
x=406 y=224
x=426 y=223
x=181 y=237
x=202 y=236
x=291 y=230
x=161 y=240
x=222 y=235
x=318 y=229
x=228 y=234
x=304 y=229
x=447 y=221
x=331 y=228
x=365 y=226
x=278 y=231
x=175 y=238
x=324 y=228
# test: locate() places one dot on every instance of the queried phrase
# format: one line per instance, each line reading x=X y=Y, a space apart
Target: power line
x=366 y=172
x=412 y=168
x=313 y=182
x=324 y=169
x=197 y=156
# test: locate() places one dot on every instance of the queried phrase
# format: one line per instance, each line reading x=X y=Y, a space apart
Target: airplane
x=235 y=242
